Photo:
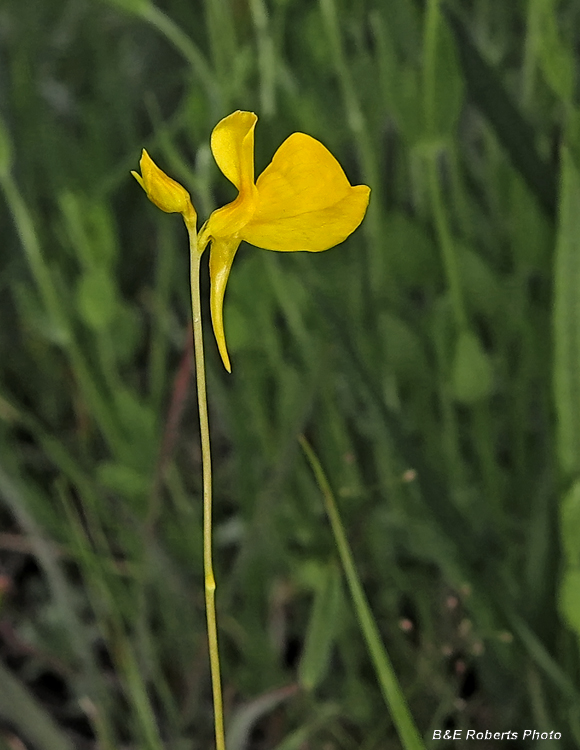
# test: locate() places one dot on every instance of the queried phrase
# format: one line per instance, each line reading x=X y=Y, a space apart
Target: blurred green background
x=432 y=360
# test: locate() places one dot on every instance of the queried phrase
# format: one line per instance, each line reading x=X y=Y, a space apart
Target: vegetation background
x=433 y=361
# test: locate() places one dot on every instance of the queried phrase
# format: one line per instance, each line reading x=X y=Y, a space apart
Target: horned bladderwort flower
x=301 y=201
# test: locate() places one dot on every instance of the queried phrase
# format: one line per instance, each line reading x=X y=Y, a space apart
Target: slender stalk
x=195 y=255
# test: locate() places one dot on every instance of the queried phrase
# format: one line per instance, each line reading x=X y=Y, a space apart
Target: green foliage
x=327 y=614
x=555 y=58
x=567 y=319
x=472 y=377
x=432 y=360
x=5 y=150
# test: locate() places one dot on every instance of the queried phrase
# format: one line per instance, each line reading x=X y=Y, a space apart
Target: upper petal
x=232 y=144
x=305 y=201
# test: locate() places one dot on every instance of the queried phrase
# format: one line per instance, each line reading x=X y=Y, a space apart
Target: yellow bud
x=161 y=190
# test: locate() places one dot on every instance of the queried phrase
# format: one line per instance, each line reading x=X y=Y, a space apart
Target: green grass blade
x=392 y=693
x=486 y=91
x=322 y=629
x=567 y=320
x=20 y=708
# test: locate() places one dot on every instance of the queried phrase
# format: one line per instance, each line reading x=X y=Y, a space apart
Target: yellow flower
x=164 y=192
x=301 y=201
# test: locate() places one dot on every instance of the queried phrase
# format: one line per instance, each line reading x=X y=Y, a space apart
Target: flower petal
x=231 y=219
x=305 y=201
x=232 y=145
x=312 y=231
x=221 y=257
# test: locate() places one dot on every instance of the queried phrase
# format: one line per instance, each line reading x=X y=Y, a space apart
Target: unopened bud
x=165 y=193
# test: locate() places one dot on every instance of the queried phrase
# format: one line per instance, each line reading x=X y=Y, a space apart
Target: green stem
x=392 y=693
x=195 y=255
x=450 y=260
